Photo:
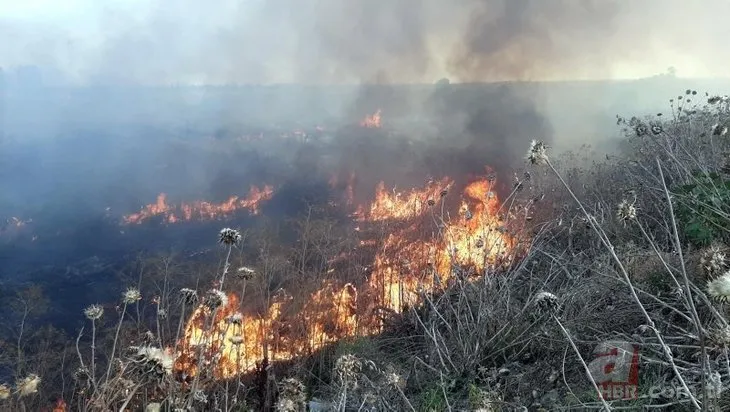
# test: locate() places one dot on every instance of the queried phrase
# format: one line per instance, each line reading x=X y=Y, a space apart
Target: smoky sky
x=375 y=45
x=373 y=41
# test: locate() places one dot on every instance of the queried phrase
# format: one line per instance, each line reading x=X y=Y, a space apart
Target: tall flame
x=200 y=210
x=424 y=250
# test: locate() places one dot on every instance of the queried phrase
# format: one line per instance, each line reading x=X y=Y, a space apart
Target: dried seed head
x=131 y=296
x=28 y=385
x=153 y=362
x=393 y=378
x=719 y=130
x=347 y=367
x=4 y=392
x=235 y=319
x=82 y=373
x=94 y=312
x=719 y=288
x=148 y=337
x=537 y=154
x=713 y=261
x=189 y=296
x=229 y=237
x=546 y=302
x=216 y=298
x=626 y=211
x=245 y=273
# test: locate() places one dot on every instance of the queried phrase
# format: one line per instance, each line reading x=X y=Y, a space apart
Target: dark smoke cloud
x=376 y=44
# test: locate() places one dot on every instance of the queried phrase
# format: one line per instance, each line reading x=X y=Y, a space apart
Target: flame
x=372 y=121
x=201 y=210
x=235 y=342
x=407 y=266
x=424 y=250
x=60 y=406
x=390 y=205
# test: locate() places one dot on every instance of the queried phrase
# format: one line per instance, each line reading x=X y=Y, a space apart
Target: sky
x=356 y=41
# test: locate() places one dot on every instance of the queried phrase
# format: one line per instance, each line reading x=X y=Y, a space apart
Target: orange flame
x=372 y=121
x=200 y=210
x=424 y=250
x=233 y=342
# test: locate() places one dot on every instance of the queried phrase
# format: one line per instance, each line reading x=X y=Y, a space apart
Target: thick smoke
x=153 y=136
x=394 y=41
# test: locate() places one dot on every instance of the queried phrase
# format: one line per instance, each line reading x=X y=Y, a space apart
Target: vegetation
x=630 y=250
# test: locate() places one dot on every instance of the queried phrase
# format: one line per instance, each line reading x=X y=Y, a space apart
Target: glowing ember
x=372 y=121
x=424 y=249
x=200 y=210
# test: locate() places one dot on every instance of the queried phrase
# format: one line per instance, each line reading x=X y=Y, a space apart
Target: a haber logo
x=616 y=369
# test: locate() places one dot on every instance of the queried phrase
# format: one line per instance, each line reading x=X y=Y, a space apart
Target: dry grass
x=518 y=337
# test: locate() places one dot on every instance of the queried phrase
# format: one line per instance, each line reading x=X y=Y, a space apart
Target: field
x=471 y=256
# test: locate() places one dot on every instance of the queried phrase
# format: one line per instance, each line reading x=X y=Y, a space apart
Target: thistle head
x=719 y=288
x=347 y=367
x=546 y=302
x=215 y=298
x=4 y=391
x=245 y=273
x=94 y=312
x=153 y=362
x=189 y=296
x=719 y=130
x=235 y=319
x=537 y=154
x=131 y=296
x=28 y=385
x=229 y=237
x=626 y=211
x=713 y=261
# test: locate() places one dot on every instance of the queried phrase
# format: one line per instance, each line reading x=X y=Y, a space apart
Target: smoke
x=394 y=41
x=448 y=129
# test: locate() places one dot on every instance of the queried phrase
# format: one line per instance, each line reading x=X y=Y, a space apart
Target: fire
x=201 y=210
x=407 y=265
x=238 y=342
x=398 y=205
x=372 y=121
x=424 y=249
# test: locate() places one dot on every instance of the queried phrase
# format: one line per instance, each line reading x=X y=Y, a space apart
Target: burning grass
x=200 y=210
x=446 y=297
